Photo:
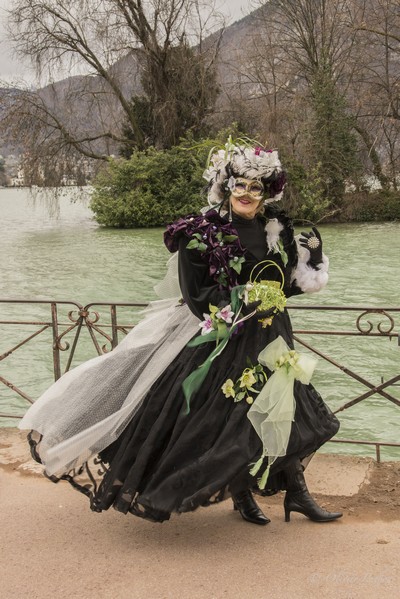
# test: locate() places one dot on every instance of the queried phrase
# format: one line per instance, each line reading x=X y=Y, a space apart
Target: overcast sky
x=13 y=70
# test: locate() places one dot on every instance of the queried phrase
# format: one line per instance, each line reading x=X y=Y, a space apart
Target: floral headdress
x=243 y=158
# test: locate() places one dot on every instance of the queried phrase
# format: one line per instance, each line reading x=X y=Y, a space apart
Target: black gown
x=167 y=461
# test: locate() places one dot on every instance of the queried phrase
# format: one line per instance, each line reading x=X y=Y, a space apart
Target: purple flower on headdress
x=277 y=186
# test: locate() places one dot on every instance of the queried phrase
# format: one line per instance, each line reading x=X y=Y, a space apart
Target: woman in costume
x=206 y=398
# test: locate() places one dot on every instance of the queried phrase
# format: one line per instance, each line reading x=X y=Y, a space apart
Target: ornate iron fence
x=103 y=330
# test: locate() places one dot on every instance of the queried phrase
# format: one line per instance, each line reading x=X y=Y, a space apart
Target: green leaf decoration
x=282 y=252
x=229 y=238
x=193 y=244
x=193 y=382
x=261 y=377
x=222 y=279
x=247 y=142
x=236 y=266
x=236 y=298
x=201 y=339
x=202 y=247
x=197 y=235
x=210 y=155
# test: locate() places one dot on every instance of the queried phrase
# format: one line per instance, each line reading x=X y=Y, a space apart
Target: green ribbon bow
x=272 y=412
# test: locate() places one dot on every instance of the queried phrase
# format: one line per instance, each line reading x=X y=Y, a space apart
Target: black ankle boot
x=249 y=510
x=298 y=498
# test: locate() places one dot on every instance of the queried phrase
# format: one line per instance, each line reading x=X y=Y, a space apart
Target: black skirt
x=168 y=461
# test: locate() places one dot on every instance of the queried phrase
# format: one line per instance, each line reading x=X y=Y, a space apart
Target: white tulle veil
x=88 y=407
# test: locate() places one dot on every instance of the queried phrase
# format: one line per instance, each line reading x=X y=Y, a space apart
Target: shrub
x=383 y=205
x=152 y=188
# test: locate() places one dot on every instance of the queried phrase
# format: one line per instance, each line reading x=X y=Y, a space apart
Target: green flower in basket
x=270 y=293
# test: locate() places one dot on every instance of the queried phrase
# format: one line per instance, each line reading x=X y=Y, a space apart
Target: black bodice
x=252 y=235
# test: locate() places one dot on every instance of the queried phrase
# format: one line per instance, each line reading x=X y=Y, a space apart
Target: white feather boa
x=273 y=229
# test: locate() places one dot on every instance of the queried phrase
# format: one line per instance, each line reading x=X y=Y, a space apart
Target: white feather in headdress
x=240 y=161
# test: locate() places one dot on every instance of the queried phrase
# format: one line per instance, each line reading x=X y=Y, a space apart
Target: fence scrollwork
x=380 y=326
x=101 y=324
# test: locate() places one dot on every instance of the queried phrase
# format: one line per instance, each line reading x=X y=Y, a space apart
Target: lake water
x=55 y=250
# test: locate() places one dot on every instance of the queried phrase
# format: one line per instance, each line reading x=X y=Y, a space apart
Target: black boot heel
x=298 y=498
x=287 y=514
x=244 y=502
x=303 y=503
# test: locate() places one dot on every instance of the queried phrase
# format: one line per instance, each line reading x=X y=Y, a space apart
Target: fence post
x=114 y=325
x=56 y=349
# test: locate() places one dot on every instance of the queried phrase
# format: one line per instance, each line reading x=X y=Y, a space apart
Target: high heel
x=303 y=503
x=287 y=513
x=298 y=498
x=244 y=502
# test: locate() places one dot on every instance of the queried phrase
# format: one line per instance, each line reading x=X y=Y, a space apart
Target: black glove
x=313 y=243
x=260 y=314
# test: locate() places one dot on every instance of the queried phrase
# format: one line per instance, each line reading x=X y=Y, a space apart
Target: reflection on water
x=69 y=257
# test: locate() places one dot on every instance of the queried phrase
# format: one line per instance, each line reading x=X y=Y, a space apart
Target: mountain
x=88 y=107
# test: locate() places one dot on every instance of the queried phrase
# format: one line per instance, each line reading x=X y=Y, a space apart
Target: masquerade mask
x=248 y=187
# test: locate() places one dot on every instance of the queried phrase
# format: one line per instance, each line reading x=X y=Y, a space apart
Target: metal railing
x=103 y=329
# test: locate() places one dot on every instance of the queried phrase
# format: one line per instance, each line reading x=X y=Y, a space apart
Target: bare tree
x=272 y=84
x=376 y=97
x=3 y=177
x=304 y=68
x=122 y=49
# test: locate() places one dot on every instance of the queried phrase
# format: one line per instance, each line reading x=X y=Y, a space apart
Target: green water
x=66 y=256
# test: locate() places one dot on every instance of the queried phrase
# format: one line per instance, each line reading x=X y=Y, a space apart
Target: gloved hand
x=260 y=314
x=313 y=243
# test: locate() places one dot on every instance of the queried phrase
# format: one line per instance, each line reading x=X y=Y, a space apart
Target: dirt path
x=52 y=546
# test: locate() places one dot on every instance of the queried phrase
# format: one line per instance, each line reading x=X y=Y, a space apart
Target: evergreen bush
x=153 y=187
